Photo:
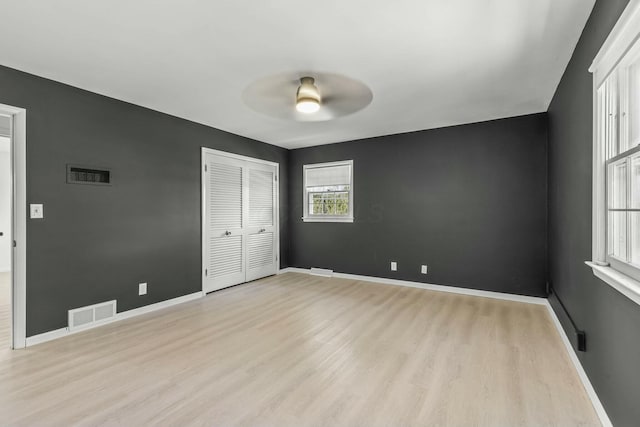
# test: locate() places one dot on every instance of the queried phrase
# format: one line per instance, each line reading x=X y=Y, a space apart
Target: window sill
x=619 y=281
x=309 y=219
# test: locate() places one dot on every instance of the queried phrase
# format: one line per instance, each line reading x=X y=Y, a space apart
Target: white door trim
x=238 y=157
x=204 y=152
x=19 y=224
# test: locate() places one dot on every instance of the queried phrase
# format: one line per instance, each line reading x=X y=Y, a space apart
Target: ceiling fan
x=307 y=97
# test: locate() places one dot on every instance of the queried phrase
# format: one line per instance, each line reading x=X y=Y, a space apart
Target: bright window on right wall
x=619 y=100
x=616 y=156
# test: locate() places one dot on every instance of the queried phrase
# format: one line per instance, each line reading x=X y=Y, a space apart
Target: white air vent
x=91 y=315
x=321 y=272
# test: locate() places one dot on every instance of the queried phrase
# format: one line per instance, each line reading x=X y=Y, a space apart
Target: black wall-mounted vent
x=580 y=337
x=88 y=175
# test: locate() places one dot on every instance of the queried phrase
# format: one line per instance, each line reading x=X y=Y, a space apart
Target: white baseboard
x=63 y=332
x=292 y=270
x=591 y=392
x=48 y=336
x=324 y=272
x=428 y=286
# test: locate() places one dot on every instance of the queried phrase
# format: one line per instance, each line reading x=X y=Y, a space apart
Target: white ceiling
x=429 y=63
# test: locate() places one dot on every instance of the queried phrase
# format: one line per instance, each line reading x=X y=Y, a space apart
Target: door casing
x=18 y=230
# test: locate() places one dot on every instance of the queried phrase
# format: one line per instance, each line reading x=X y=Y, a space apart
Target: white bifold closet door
x=261 y=227
x=240 y=214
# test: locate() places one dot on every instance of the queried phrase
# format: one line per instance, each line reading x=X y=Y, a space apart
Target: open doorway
x=13 y=225
x=5 y=231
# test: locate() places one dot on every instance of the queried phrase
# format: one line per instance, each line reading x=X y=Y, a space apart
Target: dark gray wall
x=469 y=201
x=611 y=321
x=97 y=243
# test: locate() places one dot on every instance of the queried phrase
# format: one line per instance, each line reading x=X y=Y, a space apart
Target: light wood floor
x=298 y=350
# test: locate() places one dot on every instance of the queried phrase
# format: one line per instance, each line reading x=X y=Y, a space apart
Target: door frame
x=204 y=152
x=18 y=155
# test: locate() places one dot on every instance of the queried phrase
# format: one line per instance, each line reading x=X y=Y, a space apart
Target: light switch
x=37 y=211
x=394 y=266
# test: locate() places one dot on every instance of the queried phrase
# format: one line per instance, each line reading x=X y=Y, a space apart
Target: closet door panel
x=225 y=208
x=261 y=230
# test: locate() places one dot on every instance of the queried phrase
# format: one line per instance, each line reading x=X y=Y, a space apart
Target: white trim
x=19 y=224
x=63 y=332
x=292 y=270
x=325 y=272
x=327 y=219
x=158 y=306
x=203 y=215
x=50 y=336
x=599 y=194
x=430 y=287
x=624 y=284
x=591 y=392
x=621 y=37
x=239 y=157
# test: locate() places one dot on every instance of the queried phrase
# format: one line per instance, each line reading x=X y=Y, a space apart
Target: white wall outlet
x=37 y=210
x=394 y=266
x=142 y=288
x=423 y=269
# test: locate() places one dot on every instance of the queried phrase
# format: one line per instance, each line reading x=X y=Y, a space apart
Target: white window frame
x=307 y=217
x=624 y=35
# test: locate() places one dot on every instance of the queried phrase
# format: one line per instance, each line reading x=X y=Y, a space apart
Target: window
x=328 y=192
x=616 y=156
x=618 y=98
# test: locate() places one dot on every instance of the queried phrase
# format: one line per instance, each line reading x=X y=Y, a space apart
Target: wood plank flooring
x=298 y=350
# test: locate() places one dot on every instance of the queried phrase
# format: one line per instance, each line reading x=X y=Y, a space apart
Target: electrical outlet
x=142 y=288
x=37 y=210
x=394 y=266
x=423 y=269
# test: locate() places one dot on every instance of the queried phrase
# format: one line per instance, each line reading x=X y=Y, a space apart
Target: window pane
x=608 y=108
x=618 y=234
x=328 y=203
x=618 y=185
x=634 y=103
x=342 y=204
x=634 y=219
x=635 y=182
x=328 y=175
x=316 y=203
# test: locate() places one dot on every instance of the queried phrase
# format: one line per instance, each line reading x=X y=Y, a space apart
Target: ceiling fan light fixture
x=307 y=106
x=308 y=97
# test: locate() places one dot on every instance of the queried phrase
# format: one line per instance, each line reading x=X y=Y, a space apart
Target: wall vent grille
x=86 y=175
x=91 y=315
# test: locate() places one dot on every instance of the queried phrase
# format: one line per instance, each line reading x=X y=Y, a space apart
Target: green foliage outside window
x=329 y=203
